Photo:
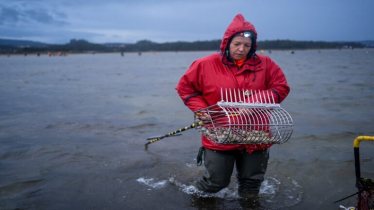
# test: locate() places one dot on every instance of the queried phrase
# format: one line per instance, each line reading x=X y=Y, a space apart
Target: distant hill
x=116 y=43
x=18 y=43
x=25 y=46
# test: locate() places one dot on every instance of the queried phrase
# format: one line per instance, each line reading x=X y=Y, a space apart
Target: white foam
x=190 y=165
x=192 y=190
x=270 y=186
x=347 y=208
x=270 y=189
x=152 y=182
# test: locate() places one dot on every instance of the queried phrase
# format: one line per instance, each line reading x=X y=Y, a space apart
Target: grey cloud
x=57 y=35
x=13 y=15
x=42 y=16
x=61 y=15
x=8 y=14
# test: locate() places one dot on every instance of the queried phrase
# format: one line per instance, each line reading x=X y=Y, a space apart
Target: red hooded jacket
x=201 y=84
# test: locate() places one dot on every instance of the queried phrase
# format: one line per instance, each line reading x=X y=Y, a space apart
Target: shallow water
x=73 y=129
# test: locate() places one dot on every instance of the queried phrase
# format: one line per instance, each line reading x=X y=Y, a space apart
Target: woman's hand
x=204 y=116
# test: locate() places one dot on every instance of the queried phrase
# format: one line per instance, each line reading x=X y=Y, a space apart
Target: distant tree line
x=77 y=46
x=288 y=44
x=145 y=45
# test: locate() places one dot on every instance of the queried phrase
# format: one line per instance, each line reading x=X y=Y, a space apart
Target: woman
x=237 y=66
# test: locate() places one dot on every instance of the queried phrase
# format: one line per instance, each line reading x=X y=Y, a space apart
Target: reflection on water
x=73 y=129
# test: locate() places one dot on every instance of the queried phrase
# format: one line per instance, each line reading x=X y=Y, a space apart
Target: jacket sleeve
x=276 y=81
x=190 y=88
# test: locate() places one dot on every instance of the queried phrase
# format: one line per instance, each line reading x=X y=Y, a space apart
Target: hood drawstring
x=254 y=70
x=199 y=158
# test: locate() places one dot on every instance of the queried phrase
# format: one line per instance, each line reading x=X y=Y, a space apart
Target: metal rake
x=242 y=117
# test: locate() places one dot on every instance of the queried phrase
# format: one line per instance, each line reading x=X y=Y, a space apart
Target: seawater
x=73 y=129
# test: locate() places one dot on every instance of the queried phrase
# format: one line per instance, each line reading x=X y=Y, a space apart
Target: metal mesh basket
x=366 y=193
x=245 y=117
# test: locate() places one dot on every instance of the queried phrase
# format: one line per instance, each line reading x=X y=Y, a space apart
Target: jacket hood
x=237 y=25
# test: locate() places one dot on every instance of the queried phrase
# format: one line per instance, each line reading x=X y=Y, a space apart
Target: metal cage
x=245 y=117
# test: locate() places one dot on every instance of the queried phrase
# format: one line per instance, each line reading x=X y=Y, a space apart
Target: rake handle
x=193 y=125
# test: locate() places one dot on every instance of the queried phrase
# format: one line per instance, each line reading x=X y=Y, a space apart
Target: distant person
x=236 y=66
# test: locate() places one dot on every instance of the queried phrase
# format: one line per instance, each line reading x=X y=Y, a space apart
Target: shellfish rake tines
x=260 y=97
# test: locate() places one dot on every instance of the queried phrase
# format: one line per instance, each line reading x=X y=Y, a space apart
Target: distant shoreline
x=79 y=46
x=64 y=54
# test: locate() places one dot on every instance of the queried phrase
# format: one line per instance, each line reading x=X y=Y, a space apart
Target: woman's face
x=239 y=47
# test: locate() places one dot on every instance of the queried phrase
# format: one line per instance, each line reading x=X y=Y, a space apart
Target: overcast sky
x=102 y=21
